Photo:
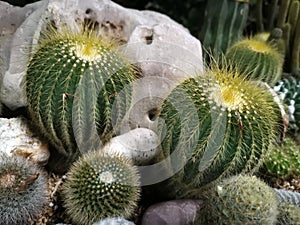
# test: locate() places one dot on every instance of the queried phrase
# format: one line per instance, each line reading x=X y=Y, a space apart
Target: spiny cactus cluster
x=239 y=200
x=72 y=81
x=100 y=186
x=256 y=58
x=23 y=190
x=288 y=90
x=283 y=160
x=217 y=124
x=289 y=214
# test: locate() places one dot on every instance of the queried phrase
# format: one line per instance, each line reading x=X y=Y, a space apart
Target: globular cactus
x=289 y=214
x=283 y=160
x=23 y=190
x=239 y=200
x=73 y=79
x=292 y=197
x=288 y=90
x=257 y=58
x=215 y=124
x=100 y=186
x=224 y=22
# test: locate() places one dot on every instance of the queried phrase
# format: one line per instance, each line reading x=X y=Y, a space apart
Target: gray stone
x=17 y=139
x=175 y=212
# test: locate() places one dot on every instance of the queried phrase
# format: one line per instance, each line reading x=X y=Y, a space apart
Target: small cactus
x=73 y=80
x=283 y=160
x=114 y=221
x=23 y=189
x=288 y=90
x=289 y=214
x=217 y=124
x=257 y=58
x=100 y=186
x=239 y=200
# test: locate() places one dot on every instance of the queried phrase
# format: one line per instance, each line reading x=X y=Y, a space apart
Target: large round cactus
x=215 y=124
x=73 y=80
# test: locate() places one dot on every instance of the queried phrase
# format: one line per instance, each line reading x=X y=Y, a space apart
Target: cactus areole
x=73 y=81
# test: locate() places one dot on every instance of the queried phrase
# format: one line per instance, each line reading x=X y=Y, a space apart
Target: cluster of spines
x=236 y=125
x=239 y=200
x=100 y=186
x=72 y=81
x=283 y=160
x=23 y=190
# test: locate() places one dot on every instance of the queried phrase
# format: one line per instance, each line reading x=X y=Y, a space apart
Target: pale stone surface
x=140 y=145
x=17 y=139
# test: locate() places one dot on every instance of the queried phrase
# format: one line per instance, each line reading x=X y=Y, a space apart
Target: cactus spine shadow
x=235 y=126
x=79 y=74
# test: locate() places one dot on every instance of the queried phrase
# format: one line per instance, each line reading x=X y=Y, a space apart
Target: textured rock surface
x=176 y=212
x=17 y=139
x=162 y=48
x=139 y=145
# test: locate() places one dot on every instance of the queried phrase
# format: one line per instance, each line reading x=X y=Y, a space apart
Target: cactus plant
x=288 y=90
x=283 y=160
x=292 y=197
x=216 y=124
x=23 y=189
x=224 y=23
x=72 y=81
x=289 y=214
x=239 y=200
x=100 y=186
x=257 y=58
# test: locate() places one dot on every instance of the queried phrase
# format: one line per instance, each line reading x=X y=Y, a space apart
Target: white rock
x=140 y=145
x=17 y=139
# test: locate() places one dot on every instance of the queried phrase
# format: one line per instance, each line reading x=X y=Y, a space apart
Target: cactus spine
x=224 y=23
x=77 y=75
x=239 y=200
x=23 y=189
x=289 y=214
x=234 y=128
x=256 y=58
x=100 y=186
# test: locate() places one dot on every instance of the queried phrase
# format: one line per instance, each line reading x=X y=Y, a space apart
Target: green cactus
x=100 y=186
x=257 y=58
x=283 y=160
x=289 y=214
x=288 y=90
x=239 y=200
x=216 y=124
x=224 y=22
x=23 y=190
x=72 y=81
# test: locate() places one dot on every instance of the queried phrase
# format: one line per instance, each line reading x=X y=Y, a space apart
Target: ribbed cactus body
x=239 y=200
x=216 y=125
x=23 y=190
x=100 y=186
x=289 y=91
x=256 y=58
x=72 y=82
x=224 y=23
